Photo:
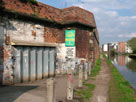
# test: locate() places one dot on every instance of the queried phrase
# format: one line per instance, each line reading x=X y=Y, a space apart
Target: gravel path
x=100 y=93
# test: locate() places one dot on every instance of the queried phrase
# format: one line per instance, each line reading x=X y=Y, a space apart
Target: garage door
x=33 y=63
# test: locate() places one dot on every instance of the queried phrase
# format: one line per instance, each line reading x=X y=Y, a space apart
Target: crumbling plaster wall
x=20 y=31
x=23 y=31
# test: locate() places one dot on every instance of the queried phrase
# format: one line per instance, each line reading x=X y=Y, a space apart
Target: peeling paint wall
x=23 y=31
x=8 y=65
x=18 y=30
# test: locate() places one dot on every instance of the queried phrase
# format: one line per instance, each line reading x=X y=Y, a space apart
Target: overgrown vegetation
x=132 y=44
x=120 y=90
x=113 y=52
x=35 y=2
x=96 y=69
x=86 y=92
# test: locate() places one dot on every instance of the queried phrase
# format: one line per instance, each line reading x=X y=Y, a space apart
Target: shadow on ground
x=11 y=93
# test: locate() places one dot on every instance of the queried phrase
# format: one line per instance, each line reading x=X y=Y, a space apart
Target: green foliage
x=86 y=93
x=30 y=1
x=113 y=52
x=120 y=90
x=132 y=44
x=34 y=14
x=96 y=69
x=33 y=2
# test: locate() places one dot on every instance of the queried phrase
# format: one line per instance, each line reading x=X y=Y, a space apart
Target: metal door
x=46 y=62
x=39 y=63
x=33 y=63
x=25 y=64
x=18 y=69
x=52 y=62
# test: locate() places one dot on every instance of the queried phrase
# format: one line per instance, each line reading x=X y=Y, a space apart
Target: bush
x=30 y=1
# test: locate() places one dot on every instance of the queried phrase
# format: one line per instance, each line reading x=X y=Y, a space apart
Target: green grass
x=120 y=90
x=92 y=78
x=96 y=69
x=86 y=92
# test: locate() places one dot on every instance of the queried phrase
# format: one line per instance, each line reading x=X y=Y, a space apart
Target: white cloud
x=133 y=17
x=109 y=20
x=112 y=13
x=93 y=0
x=127 y=35
x=121 y=35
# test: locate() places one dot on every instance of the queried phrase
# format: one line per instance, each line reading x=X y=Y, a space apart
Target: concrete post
x=85 y=72
x=89 y=68
x=70 y=85
x=50 y=90
x=80 y=76
x=76 y=70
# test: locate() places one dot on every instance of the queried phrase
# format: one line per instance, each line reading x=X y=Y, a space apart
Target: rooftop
x=43 y=11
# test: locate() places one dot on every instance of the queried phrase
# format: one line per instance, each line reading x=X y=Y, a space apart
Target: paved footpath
x=35 y=91
x=100 y=93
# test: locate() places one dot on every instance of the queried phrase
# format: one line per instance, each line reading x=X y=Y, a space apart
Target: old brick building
x=30 y=35
x=122 y=47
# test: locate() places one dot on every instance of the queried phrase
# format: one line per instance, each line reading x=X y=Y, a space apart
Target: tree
x=132 y=44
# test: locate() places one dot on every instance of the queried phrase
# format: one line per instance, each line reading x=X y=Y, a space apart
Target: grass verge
x=120 y=90
x=96 y=69
x=86 y=92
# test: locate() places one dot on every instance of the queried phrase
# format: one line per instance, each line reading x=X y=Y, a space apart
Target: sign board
x=70 y=38
x=70 y=52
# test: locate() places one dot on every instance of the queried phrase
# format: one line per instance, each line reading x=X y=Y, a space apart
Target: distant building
x=105 y=48
x=122 y=47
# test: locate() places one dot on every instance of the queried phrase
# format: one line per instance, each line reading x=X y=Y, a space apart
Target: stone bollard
x=80 y=76
x=50 y=90
x=85 y=72
x=70 y=85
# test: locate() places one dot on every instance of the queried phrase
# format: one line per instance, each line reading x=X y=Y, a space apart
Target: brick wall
x=49 y=13
x=122 y=47
x=16 y=29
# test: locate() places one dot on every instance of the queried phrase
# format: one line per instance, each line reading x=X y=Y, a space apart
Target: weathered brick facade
x=28 y=24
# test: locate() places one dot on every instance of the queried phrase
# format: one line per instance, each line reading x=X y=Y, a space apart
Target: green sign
x=70 y=38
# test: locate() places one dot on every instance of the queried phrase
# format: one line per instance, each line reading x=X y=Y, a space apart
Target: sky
x=115 y=19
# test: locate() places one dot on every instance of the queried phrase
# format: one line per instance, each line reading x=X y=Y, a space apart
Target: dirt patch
x=100 y=93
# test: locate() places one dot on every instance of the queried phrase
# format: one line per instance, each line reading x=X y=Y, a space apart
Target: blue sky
x=116 y=19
